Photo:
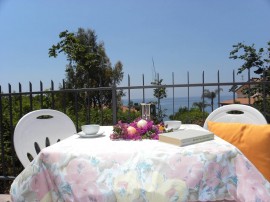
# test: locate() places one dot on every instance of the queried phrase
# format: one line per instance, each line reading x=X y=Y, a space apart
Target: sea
x=167 y=103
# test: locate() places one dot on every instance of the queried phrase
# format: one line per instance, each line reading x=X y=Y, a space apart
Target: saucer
x=82 y=134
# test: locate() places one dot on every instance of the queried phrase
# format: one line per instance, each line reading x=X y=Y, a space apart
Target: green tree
x=200 y=105
x=159 y=93
x=211 y=95
x=258 y=59
x=253 y=58
x=88 y=64
x=190 y=116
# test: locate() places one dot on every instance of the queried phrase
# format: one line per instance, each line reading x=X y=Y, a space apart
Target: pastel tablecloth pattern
x=99 y=169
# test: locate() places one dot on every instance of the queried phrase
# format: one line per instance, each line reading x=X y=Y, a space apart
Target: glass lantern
x=145 y=111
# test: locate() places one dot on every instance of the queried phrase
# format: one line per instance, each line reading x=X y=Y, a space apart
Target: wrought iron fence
x=75 y=103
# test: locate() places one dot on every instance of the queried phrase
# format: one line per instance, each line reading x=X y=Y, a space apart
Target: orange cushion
x=252 y=140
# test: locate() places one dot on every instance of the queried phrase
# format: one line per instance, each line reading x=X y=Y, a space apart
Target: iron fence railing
x=77 y=104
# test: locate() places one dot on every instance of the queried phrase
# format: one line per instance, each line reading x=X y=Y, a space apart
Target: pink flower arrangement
x=137 y=130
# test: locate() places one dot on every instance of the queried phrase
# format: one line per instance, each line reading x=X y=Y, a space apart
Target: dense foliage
x=211 y=95
x=88 y=65
x=190 y=116
x=159 y=93
x=260 y=61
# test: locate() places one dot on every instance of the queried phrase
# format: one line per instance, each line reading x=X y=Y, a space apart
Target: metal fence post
x=114 y=104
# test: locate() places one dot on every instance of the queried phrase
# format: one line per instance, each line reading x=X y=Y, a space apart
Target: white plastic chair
x=39 y=129
x=248 y=115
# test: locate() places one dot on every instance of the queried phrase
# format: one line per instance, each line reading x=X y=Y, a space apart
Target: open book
x=186 y=137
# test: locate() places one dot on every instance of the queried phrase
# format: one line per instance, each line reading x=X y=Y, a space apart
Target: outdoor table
x=99 y=169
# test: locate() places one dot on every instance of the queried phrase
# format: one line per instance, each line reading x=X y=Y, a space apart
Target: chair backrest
x=39 y=129
x=248 y=115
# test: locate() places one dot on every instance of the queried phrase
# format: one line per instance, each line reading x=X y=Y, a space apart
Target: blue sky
x=180 y=35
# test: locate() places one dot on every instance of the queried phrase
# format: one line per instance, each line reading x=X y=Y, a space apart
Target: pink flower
x=43 y=182
x=250 y=185
x=137 y=130
x=186 y=168
x=83 y=188
x=49 y=158
x=77 y=169
x=215 y=174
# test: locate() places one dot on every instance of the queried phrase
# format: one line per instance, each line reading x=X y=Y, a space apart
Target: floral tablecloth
x=99 y=169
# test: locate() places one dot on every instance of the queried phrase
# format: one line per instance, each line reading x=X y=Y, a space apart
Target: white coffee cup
x=173 y=124
x=90 y=129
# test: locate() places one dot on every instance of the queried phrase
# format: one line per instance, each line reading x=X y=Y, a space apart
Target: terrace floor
x=5 y=198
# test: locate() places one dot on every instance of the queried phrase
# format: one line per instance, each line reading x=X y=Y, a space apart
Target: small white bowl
x=173 y=124
x=90 y=129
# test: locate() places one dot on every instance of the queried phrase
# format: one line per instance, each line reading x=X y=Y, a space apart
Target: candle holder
x=145 y=111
